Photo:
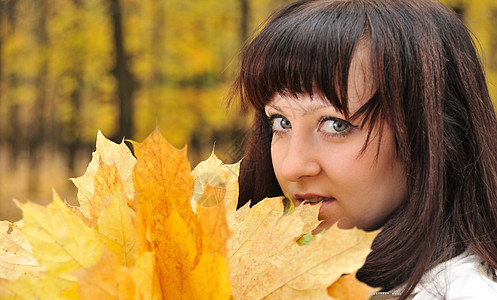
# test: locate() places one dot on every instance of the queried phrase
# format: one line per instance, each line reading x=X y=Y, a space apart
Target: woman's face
x=316 y=155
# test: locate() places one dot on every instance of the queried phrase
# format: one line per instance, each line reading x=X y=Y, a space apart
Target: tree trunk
x=11 y=131
x=37 y=129
x=157 y=48
x=74 y=142
x=73 y=137
x=14 y=134
x=244 y=20
x=124 y=78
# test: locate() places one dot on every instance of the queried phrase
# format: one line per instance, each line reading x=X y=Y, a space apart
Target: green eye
x=339 y=126
x=333 y=126
x=285 y=124
x=280 y=123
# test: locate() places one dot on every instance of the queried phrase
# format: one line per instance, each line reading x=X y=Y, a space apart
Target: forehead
x=360 y=88
x=360 y=82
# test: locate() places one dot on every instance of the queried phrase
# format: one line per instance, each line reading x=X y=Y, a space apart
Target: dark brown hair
x=431 y=89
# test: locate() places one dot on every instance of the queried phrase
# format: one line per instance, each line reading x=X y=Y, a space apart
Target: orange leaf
x=106 y=280
x=146 y=278
x=348 y=287
x=186 y=267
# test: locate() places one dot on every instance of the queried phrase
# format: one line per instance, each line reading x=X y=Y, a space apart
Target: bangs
x=304 y=49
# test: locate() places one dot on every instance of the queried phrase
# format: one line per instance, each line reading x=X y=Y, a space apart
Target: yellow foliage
x=105 y=280
x=164 y=187
x=348 y=287
x=61 y=241
x=269 y=263
x=182 y=54
x=144 y=240
x=116 y=221
x=16 y=257
x=107 y=153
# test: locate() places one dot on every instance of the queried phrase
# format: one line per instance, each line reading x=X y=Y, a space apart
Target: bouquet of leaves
x=149 y=228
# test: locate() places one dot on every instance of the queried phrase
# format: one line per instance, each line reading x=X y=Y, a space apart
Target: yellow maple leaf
x=186 y=265
x=106 y=280
x=173 y=238
x=145 y=278
x=62 y=243
x=267 y=261
x=60 y=240
x=46 y=288
x=348 y=287
x=108 y=153
x=146 y=242
x=117 y=220
x=64 y=240
x=222 y=179
x=16 y=255
x=216 y=190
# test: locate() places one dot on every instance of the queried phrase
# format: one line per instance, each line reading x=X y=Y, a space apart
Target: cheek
x=369 y=188
x=385 y=189
x=277 y=158
x=343 y=167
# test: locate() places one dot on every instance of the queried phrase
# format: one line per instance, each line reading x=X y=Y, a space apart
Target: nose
x=300 y=159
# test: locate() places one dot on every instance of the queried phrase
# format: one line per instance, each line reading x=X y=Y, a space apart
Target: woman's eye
x=280 y=123
x=334 y=125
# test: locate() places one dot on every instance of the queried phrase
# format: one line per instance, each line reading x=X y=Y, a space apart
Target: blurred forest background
x=71 y=67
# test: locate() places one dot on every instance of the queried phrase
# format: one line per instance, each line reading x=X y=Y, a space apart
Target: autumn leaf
x=108 y=153
x=145 y=277
x=222 y=179
x=106 y=280
x=46 y=288
x=106 y=198
x=267 y=262
x=16 y=255
x=186 y=264
x=216 y=190
x=60 y=240
x=348 y=287
x=174 y=234
x=117 y=220
x=62 y=243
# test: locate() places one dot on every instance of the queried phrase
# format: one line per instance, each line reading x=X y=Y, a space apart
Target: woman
x=378 y=111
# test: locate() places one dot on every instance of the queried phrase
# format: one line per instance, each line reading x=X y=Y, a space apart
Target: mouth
x=312 y=199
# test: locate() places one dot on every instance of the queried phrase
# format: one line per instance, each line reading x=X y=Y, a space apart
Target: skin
x=318 y=160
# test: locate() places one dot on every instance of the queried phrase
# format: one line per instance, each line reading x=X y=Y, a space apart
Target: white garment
x=464 y=277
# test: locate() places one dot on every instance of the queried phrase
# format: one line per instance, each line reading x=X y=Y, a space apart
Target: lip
x=312 y=199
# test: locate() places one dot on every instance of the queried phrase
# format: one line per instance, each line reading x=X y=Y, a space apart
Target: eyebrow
x=305 y=111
